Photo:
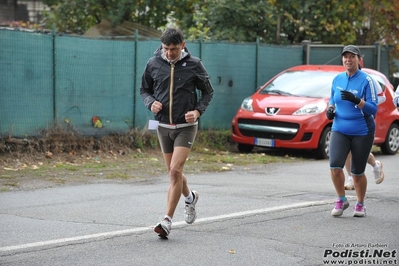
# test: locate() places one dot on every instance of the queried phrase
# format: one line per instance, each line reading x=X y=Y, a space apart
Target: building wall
x=13 y=10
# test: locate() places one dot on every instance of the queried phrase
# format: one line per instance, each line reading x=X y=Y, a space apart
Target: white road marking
x=63 y=241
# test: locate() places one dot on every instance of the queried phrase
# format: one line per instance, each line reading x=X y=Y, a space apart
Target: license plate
x=264 y=142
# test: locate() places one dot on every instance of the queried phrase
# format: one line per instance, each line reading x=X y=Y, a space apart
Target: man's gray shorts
x=176 y=137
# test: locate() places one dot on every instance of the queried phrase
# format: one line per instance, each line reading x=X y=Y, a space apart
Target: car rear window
x=380 y=80
x=315 y=84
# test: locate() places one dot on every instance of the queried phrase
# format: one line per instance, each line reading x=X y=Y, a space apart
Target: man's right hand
x=156 y=107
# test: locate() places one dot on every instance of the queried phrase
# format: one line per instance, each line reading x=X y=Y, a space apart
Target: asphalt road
x=275 y=214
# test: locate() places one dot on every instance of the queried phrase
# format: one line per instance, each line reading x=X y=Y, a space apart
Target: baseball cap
x=352 y=49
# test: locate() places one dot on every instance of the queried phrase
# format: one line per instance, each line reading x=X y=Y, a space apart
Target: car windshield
x=315 y=84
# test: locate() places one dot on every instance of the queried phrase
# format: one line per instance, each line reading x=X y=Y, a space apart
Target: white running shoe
x=379 y=173
x=189 y=211
x=349 y=185
x=163 y=228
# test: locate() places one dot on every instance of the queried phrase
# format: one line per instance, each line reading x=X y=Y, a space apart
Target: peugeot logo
x=271 y=110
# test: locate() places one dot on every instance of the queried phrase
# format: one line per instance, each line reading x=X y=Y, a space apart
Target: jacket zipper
x=172 y=74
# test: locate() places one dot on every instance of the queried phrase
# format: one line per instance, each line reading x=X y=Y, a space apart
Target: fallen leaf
x=10 y=169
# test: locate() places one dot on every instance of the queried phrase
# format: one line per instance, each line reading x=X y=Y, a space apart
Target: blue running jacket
x=349 y=118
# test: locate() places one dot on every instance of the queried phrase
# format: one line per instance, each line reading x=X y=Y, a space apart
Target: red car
x=289 y=112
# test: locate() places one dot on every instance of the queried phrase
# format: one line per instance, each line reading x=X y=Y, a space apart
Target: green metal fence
x=48 y=79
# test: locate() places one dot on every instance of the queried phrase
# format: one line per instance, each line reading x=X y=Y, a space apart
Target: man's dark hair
x=172 y=36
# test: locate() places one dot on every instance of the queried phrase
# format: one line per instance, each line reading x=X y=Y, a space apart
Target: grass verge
x=61 y=157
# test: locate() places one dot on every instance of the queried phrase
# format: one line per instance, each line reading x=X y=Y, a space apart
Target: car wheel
x=323 y=150
x=391 y=144
x=246 y=148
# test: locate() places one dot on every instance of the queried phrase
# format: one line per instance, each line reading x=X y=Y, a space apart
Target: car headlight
x=311 y=109
x=247 y=104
